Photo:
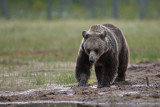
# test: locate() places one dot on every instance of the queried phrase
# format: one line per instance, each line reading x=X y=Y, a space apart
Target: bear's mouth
x=91 y=60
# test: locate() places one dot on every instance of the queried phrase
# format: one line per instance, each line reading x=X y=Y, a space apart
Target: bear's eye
x=96 y=50
x=88 y=50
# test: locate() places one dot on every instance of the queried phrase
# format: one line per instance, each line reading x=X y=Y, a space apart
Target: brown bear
x=105 y=47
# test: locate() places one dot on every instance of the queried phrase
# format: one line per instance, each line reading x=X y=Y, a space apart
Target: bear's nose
x=91 y=60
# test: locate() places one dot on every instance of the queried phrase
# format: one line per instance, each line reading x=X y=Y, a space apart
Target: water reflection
x=58 y=105
x=83 y=104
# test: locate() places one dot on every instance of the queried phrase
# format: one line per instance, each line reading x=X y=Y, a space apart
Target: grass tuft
x=65 y=78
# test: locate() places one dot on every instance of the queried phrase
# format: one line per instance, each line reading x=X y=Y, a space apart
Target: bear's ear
x=84 y=34
x=103 y=35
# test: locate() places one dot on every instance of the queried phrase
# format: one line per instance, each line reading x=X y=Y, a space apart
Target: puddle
x=102 y=93
x=65 y=90
x=139 y=65
x=122 y=93
x=143 y=85
x=93 y=86
x=59 y=89
x=50 y=103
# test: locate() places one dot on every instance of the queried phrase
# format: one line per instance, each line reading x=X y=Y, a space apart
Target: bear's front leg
x=82 y=76
x=98 y=71
x=82 y=71
x=109 y=71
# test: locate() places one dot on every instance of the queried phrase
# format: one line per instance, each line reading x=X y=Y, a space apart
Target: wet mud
x=142 y=87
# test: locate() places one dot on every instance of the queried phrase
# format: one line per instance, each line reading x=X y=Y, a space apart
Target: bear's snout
x=91 y=60
x=92 y=57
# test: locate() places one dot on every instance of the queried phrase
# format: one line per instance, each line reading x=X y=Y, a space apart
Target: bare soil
x=142 y=85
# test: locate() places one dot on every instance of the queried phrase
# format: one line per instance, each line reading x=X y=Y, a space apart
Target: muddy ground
x=142 y=85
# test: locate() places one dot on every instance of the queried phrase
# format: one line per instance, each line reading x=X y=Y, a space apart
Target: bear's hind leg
x=123 y=64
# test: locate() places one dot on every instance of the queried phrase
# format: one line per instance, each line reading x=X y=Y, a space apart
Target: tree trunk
x=61 y=8
x=4 y=9
x=143 y=8
x=49 y=9
x=115 y=9
x=103 y=7
x=93 y=8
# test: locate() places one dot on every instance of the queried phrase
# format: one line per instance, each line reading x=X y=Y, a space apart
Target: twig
x=147 y=80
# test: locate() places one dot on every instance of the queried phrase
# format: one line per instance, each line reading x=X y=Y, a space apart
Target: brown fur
x=105 y=47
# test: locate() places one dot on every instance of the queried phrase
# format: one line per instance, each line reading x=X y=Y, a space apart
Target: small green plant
x=40 y=79
x=65 y=78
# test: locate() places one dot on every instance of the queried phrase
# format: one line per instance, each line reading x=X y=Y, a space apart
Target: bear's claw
x=82 y=83
x=103 y=85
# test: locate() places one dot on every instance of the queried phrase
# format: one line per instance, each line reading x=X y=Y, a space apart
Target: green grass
x=36 y=75
x=65 y=78
x=59 y=40
x=40 y=53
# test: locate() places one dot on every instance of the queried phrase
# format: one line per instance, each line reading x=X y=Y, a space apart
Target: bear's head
x=94 y=45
